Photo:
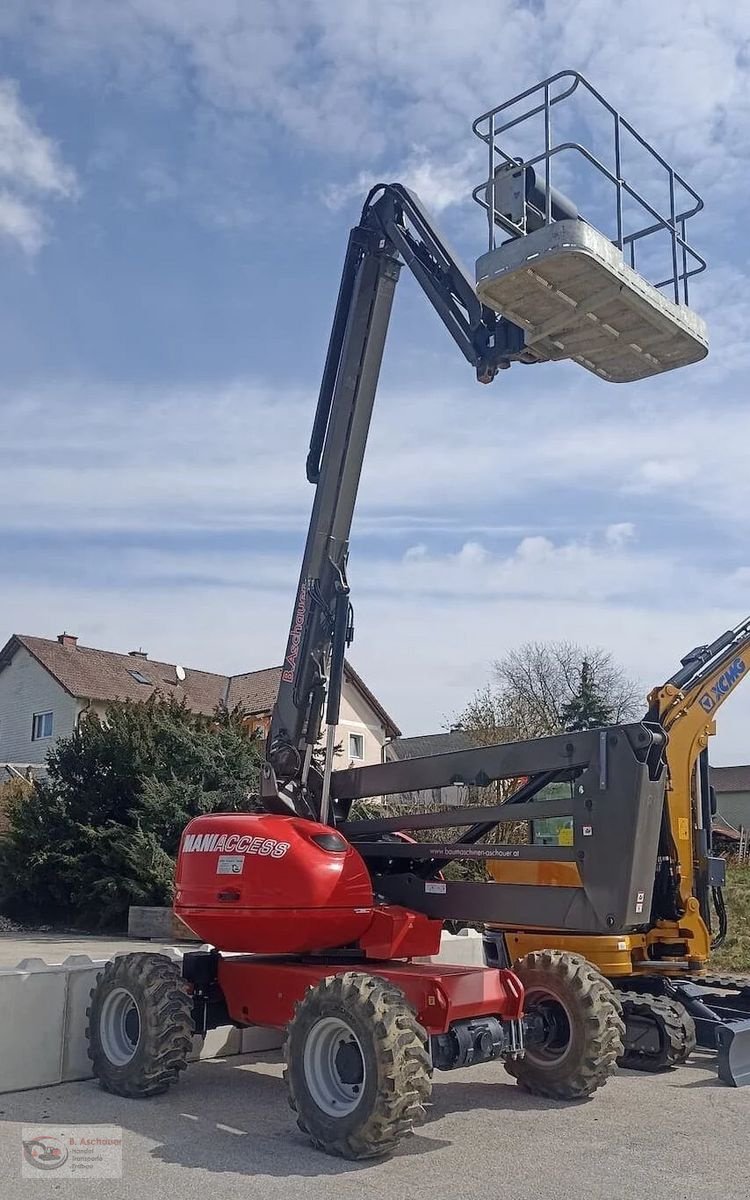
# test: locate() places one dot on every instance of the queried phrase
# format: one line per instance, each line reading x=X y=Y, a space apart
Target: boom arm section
x=394 y=229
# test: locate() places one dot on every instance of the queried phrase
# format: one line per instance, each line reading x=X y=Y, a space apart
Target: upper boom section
x=394 y=229
x=558 y=289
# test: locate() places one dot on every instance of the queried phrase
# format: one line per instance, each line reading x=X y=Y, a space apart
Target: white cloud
x=423 y=660
x=383 y=90
x=658 y=473
x=439 y=185
x=592 y=568
x=31 y=170
x=620 y=533
x=378 y=90
x=322 y=71
x=452 y=460
x=336 y=196
x=587 y=570
x=22 y=222
x=27 y=157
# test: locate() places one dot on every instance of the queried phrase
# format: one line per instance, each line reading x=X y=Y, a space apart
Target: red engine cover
x=266 y=884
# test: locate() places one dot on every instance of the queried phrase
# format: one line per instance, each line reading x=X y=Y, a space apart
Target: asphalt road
x=226 y=1132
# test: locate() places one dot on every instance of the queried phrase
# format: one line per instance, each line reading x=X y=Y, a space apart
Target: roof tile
x=104 y=675
x=731 y=779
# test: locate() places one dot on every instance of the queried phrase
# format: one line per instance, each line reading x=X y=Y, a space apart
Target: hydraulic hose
x=717 y=895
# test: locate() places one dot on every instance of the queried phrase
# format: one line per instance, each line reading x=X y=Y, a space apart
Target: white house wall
x=26 y=688
x=358 y=717
x=734 y=807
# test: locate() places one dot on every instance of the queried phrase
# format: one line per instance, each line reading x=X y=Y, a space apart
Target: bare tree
x=537 y=686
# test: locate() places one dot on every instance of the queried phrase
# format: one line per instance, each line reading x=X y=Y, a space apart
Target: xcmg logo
x=723 y=685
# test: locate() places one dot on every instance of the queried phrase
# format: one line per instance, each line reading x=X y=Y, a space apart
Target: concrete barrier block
x=32 y=1024
x=462 y=949
x=43 y=1024
x=216 y=1043
x=161 y=924
x=82 y=973
x=261 y=1037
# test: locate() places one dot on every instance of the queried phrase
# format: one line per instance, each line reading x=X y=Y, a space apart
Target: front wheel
x=140 y=1028
x=357 y=1066
x=574 y=1028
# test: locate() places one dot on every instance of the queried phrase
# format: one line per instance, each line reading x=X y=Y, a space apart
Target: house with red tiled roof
x=47 y=684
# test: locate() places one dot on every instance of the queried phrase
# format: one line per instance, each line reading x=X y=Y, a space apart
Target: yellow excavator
x=671 y=1001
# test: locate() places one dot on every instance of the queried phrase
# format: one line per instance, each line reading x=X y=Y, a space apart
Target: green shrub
x=734 y=955
x=102 y=832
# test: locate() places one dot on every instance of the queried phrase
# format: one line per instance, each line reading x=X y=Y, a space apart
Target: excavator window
x=553 y=831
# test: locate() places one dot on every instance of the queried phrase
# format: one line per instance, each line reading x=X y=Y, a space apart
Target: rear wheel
x=140 y=1025
x=574 y=1027
x=659 y=1032
x=357 y=1066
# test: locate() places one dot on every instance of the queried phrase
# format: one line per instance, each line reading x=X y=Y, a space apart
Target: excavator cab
x=578 y=292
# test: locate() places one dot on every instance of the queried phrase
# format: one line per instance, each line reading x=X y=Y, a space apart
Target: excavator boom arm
x=686 y=706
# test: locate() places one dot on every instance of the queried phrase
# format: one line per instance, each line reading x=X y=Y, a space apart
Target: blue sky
x=177 y=180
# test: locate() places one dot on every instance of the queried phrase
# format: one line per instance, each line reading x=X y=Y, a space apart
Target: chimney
x=67 y=640
x=137 y=654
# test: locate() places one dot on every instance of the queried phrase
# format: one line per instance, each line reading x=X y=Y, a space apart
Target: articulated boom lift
x=320 y=924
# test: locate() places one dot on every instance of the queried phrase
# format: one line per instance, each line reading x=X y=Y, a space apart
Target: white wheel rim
x=119 y=1027
x=334 y=1066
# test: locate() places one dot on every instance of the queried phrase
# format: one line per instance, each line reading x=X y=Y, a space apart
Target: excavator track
x=659 y=1032
x=725 y=983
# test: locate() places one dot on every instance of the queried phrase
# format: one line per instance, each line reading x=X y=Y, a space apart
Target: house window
x=356 y=745
x=257 y=724
x=139 y=677
x=41 y=726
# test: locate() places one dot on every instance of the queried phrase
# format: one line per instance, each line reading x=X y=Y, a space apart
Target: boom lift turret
x=316 y=919
x=671 y=999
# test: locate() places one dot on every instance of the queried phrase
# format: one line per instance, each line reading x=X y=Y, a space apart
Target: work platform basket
x=577 y=292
